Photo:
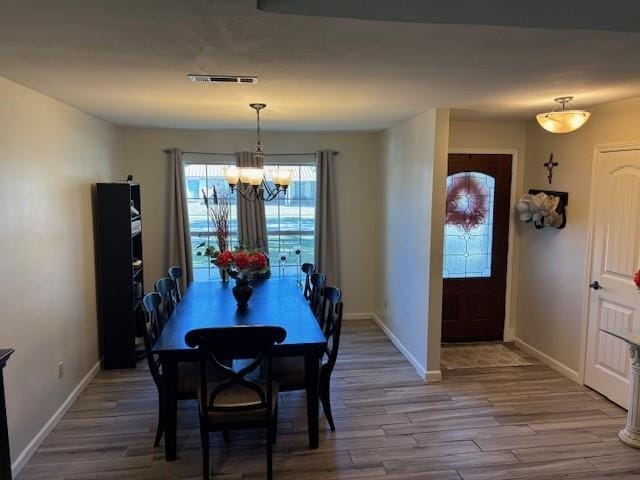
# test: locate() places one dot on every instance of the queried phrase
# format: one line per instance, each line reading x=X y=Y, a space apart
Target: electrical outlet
x=60 y=369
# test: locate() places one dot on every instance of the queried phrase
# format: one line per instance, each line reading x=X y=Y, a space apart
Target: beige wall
x=356 y=189
x=494 y=137
x=50 y=155
x=552 y=279
x=404 y=232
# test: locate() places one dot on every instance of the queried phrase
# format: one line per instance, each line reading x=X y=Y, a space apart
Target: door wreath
x=467 y=201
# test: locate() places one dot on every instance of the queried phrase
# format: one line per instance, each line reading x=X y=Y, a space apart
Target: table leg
x=311 y=378
x=169 y=392
x=630 y=435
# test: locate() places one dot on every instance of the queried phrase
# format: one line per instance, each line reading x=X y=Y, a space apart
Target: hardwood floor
x=496 y=423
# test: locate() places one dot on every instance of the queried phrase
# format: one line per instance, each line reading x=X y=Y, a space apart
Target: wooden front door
x=476 y=241
x=615 y=257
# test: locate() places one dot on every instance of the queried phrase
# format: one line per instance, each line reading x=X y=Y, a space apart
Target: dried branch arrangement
x=219 y=211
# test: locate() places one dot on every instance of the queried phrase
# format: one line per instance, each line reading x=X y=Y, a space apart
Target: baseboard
x=357 y=316
x=33 y=445
x=550 y=361
x=400 y=346
x=434 y=376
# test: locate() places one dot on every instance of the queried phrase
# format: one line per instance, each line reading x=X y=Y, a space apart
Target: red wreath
x=474 y=213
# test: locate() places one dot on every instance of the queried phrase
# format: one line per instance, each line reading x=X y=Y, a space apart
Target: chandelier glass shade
x=250 y=182
x=563 y=119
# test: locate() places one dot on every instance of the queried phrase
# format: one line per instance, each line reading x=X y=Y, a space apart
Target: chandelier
x=563 y=120
x=251 y=183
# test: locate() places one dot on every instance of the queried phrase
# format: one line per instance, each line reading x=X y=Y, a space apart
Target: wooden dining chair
x=239 y=401
x=308 y=269
x=289 y=372
x=318 y=281
x=166 y=288
x=175 y=274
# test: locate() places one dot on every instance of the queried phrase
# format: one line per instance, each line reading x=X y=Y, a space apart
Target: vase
x=242 y=292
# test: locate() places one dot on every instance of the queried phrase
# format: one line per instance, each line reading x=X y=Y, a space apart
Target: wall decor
x=550 y=165
x=544 y=208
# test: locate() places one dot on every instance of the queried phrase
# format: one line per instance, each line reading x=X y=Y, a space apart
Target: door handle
x=595 y=285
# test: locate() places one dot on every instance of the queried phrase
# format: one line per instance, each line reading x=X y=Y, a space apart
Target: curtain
x=326 y=244
x=179 y=234
x=252 y=220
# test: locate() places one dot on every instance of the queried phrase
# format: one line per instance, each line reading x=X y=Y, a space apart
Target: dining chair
x=318 y=281
x=175 y=274
x=166 y=288
x=308 y=269
x=240 y=401
x=188 y=372
x=289 y=372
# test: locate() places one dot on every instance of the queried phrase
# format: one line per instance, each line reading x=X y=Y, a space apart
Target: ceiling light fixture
x=251 y=183
x=563 y=119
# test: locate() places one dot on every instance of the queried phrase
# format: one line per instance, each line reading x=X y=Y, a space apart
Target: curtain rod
x=167 y=150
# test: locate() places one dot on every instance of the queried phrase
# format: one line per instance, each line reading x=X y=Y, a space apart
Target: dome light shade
x=564 y=120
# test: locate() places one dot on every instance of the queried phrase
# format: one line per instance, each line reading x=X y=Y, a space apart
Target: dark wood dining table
x=276 y=301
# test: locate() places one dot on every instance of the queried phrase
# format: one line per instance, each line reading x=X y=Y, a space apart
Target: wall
x=404 y=233
x=495 y=137
x=356 y=186
x=50 y=155
x=552 y=278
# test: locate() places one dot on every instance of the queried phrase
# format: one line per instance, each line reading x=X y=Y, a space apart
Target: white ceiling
x=126 y=61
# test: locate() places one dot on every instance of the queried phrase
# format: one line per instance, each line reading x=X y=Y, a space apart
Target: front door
x=615 y=257
x=476 y=241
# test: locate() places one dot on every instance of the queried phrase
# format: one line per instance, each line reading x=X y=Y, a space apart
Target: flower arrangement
x=242 y=263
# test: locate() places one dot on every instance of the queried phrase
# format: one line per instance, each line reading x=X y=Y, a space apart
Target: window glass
x=468 y=230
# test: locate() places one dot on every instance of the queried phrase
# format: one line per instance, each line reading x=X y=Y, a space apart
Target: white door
x=615 y=257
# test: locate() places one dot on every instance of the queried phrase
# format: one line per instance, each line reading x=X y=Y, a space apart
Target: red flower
x=225 y=259
x=243 y=261
x=636 y=279
x=259 y=261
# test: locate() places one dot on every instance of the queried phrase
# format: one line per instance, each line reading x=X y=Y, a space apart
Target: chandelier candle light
x=563 y=120
x=251 y=183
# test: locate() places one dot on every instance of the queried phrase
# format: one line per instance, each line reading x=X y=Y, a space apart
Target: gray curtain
x=252 y=221
x=326 y=245
x=179 y=234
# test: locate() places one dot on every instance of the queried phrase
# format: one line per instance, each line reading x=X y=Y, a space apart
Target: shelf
x=137 y=217
x=136 y=271
x=134 y=235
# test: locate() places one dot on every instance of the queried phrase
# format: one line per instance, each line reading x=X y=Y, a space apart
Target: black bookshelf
x=120 y=281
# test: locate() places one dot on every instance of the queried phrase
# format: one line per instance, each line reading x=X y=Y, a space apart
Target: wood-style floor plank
x=477 y=424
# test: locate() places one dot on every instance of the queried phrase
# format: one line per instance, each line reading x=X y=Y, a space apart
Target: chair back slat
x=308 y=269
x=332 y=325
x=220 y=345
x=318 y=282
x=166 y=288
x=152 y=329
x=175 y=274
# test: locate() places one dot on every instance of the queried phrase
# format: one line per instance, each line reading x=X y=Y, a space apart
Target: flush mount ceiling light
x=563 y=119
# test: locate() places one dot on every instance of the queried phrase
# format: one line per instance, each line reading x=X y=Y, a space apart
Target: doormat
x=479 y=356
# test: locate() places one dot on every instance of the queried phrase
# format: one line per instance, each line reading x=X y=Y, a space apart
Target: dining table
x=275 y=301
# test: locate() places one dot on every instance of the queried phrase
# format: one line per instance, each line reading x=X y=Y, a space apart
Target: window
x=290 y=218
x=468 y=230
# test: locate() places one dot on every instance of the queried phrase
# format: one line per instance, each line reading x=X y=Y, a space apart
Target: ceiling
x=126 y=61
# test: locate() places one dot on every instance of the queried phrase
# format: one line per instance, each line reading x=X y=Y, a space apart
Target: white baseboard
x=33 y=445
x=550 y=361
x=434 y=376
x=427 y=376
x=357 y=316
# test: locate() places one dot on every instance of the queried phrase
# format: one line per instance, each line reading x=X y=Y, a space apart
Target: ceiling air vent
x=222 y=78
